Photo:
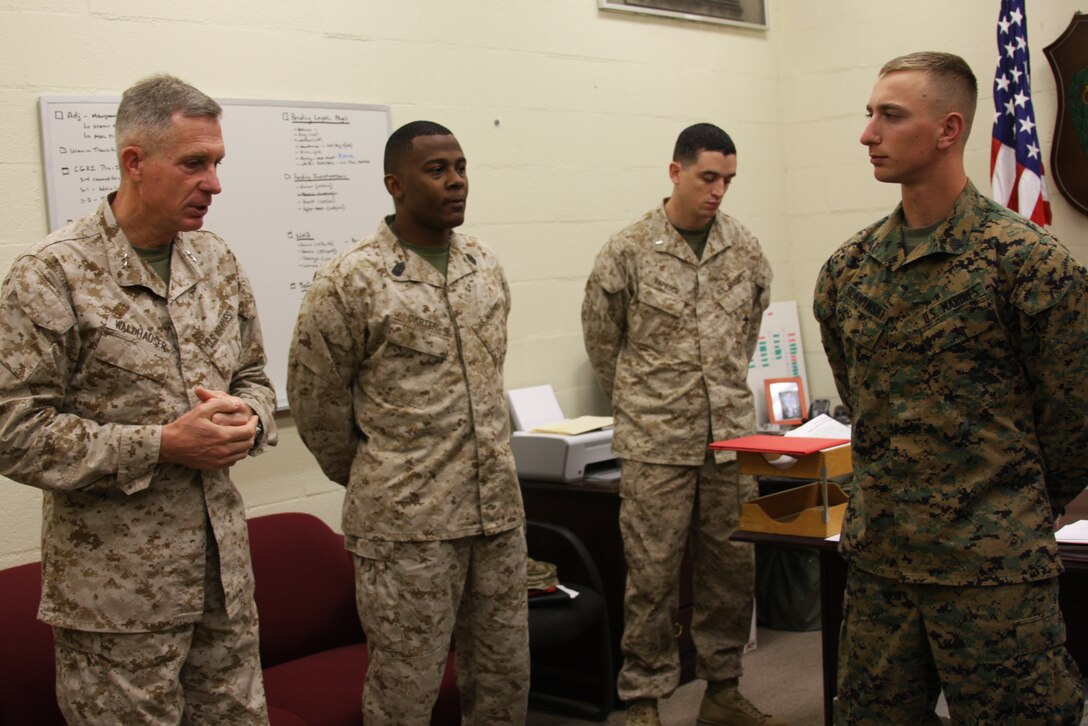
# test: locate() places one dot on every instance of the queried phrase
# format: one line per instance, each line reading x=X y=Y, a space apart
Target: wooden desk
x=1073 y=598
x=592 y=511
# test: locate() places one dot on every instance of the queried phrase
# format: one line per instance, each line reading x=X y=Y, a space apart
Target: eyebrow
x=201 y=156
x=887 y=106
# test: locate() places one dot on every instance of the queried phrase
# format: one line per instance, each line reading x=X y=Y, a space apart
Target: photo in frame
x=785 y=400
x=743 y=13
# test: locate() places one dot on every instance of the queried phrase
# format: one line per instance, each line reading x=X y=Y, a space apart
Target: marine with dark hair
x=957 y=332
x=400 y=142
x=131 y=380
x=671 y=318
x=395 y=383
x=701 y=137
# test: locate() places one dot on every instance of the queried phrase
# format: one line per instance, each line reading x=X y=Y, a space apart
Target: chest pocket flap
x=133 y=356
x=863 y=318
x=735 y=294
x=661 y=300
x=956 y=319
x=422 y=340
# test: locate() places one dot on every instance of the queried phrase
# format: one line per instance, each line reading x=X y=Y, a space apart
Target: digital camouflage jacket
x=670 y=336
x=965 y=367
x=97 y=355
x=395 y=383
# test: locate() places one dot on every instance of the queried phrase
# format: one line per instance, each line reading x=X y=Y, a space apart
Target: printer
x=555 y=457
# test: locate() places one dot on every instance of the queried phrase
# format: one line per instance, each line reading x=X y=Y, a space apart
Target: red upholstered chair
x=312 y=647
x=27 y=666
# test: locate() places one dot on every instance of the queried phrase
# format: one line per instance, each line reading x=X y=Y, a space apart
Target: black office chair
x=569 y=640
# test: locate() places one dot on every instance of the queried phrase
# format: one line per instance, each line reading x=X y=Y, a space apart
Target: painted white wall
x=589 y=104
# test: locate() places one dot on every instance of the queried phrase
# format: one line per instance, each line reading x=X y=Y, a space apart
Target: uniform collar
x=951 y=237
x=128 y=269
x=673 y=244
x=406 y=266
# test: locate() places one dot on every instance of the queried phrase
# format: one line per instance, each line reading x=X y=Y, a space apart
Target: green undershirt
x=914 y=236
x=696 y=238
x=439 y=257
x=158 y=258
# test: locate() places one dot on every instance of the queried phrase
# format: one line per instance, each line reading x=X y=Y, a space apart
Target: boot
x=723 y=705
x=643 y=712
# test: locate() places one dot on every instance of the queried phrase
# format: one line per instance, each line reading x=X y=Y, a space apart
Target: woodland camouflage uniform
x=965 y=366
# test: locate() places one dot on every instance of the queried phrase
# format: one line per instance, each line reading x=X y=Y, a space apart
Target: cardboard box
x=798 y=511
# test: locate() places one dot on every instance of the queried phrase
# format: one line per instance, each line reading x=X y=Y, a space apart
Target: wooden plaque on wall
x=1068 y=57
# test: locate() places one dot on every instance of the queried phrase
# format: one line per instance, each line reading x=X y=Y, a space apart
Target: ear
x=674 y=171
x=131 y=161
x=392 y=185
x=952 y=130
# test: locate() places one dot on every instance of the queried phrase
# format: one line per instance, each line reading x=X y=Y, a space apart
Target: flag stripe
x=1016 y=163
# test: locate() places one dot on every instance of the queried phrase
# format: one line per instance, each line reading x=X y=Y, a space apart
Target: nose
x=456 y=178
x=717 y=189
x=210 y=183
x=869 y=135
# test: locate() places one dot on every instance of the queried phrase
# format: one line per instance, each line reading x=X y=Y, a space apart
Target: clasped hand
x=215 y=434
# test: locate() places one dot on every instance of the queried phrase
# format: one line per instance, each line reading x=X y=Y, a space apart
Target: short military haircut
x=400 y=141
x=147 y=110
x=952 y=78
x=698 y=138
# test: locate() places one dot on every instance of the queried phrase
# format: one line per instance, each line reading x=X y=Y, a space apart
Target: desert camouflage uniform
x=964 y=365
x=395 y=382
x=670 y=337
x=97 y=356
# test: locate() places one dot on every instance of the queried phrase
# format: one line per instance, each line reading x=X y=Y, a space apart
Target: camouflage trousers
x=208 y=672
x=413 y=596
x=662 y=509
x=998 y=653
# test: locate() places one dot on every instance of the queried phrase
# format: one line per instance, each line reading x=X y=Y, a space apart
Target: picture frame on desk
x=785 y=400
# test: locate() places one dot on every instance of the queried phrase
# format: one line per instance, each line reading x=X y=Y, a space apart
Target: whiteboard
x=779 y=354
x=301 y=181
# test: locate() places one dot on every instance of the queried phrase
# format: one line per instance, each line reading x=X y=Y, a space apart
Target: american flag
x=1016 y=161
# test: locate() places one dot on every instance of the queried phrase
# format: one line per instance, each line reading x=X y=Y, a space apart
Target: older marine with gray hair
x=131 y=380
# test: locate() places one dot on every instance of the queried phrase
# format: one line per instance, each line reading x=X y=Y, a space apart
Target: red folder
x=768 y=444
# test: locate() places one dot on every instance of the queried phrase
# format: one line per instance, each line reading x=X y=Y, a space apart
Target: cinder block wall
x=588 y=104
